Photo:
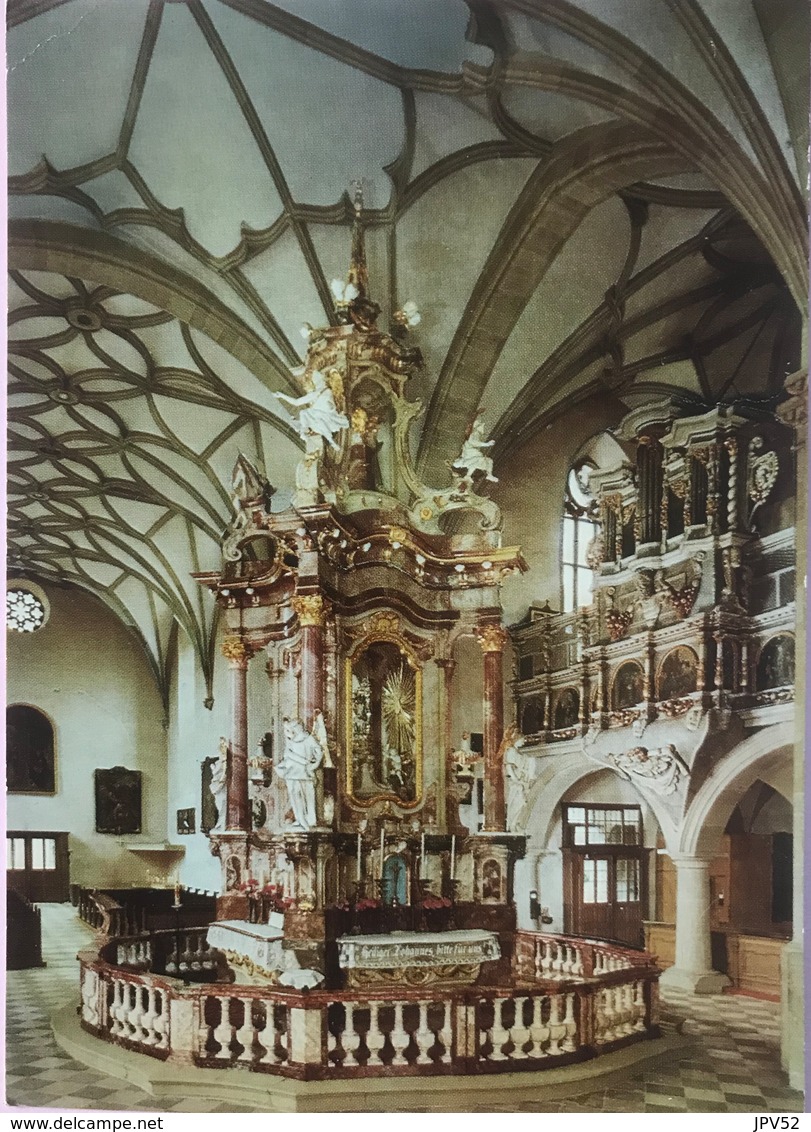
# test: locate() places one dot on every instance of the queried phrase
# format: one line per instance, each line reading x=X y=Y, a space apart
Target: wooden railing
x=573 y=999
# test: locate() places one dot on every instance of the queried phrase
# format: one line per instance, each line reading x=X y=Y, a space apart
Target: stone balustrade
x=541 y=957
x=572 y=1000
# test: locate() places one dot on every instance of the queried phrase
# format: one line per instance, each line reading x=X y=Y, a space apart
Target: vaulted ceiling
x=602 y=194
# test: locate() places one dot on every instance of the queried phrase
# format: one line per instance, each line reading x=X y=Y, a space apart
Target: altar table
x=256 y=948
x=416 y=958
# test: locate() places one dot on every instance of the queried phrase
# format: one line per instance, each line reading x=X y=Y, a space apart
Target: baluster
x=273 y=1038
x=610 y=1014
x=566 y=964
x=639 y=1006
x=555 y=1031
x=539 y=958
x=627 y=997
x=90 y=990
x=577 y=962
x=353 y=1039
x=136 y=1012
x=223 y=1031
x=446 y=1033
x=519 y=1034
x=539 y=1032
x=557 y=962
x=399 y=1036
x=206 y=1030
x=161 y=1023
x=424 y=1037
x=498 y=1035
x=148 y=1018
x=115 y=1009
x=570 y=1026
x=246 y=1033
x=375 y=1037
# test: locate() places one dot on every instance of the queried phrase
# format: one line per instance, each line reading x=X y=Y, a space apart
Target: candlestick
x=422 y=854
x=382 y=849
x=453 y=856
x=359 y=844
x=177 y=894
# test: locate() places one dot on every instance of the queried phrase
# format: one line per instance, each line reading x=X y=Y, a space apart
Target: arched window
x=30 y=764
x=579 y=528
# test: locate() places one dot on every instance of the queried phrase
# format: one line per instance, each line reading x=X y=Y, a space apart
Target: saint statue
x=319 y=414
x=472 y=458
x=301 y=758
x=219 y=786
x=516 y=771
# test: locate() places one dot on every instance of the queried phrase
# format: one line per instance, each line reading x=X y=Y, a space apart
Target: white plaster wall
x=530 y=492
x=194 y=734
x=90 y=675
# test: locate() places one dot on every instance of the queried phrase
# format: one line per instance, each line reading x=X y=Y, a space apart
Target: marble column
x=693 y=970
x=238 y=811
x=311 y=611
x=446 y=777
x=492 y=639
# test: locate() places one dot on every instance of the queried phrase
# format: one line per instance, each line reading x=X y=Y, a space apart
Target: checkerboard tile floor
x=733 y=1065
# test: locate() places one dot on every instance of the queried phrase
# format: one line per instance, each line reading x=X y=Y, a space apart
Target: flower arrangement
x=366 y=903
x=431 y=902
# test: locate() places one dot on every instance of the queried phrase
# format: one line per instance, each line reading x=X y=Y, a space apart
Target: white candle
x=382 y=849
x=359 y=841
x=422 y=855
x=453 y=856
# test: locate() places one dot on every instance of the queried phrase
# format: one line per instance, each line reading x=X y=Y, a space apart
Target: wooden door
x=37 y=865
x=605 y=894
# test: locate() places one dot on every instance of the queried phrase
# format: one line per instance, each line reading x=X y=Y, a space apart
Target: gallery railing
x=571 y=1000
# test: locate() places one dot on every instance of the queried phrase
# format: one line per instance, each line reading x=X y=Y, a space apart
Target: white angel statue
x=319 y=413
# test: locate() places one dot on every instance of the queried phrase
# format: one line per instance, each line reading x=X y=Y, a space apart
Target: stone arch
x=568 y=770
x=727 y=783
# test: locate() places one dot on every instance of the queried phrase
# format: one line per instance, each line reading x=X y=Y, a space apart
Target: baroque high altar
x=354 y=598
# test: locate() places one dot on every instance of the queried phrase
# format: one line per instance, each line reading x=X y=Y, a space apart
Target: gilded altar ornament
x=235 y=650
x=491 y=638
x=762 y=474
x=311 y=609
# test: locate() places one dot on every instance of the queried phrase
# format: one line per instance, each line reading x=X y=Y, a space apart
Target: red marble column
x=492 y=639
x=238 y=813
x=311 y=611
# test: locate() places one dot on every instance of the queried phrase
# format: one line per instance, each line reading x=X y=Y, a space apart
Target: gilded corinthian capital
x=235 y=650
x=491 y=638
x=311 y=609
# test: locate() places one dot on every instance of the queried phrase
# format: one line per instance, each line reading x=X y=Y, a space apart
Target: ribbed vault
x=580 y=196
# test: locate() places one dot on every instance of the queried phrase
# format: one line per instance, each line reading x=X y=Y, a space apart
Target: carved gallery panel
x=30 y=757
x=626 y=689
x=118 y=800
x=678 y=674
x=775 y=666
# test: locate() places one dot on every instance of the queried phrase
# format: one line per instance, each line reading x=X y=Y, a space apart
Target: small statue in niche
x=301 y=758
x=319 y=732
x=219 y=786
x=775 y=667
x=491 y=881
x=319 y=414
x=472 y=458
